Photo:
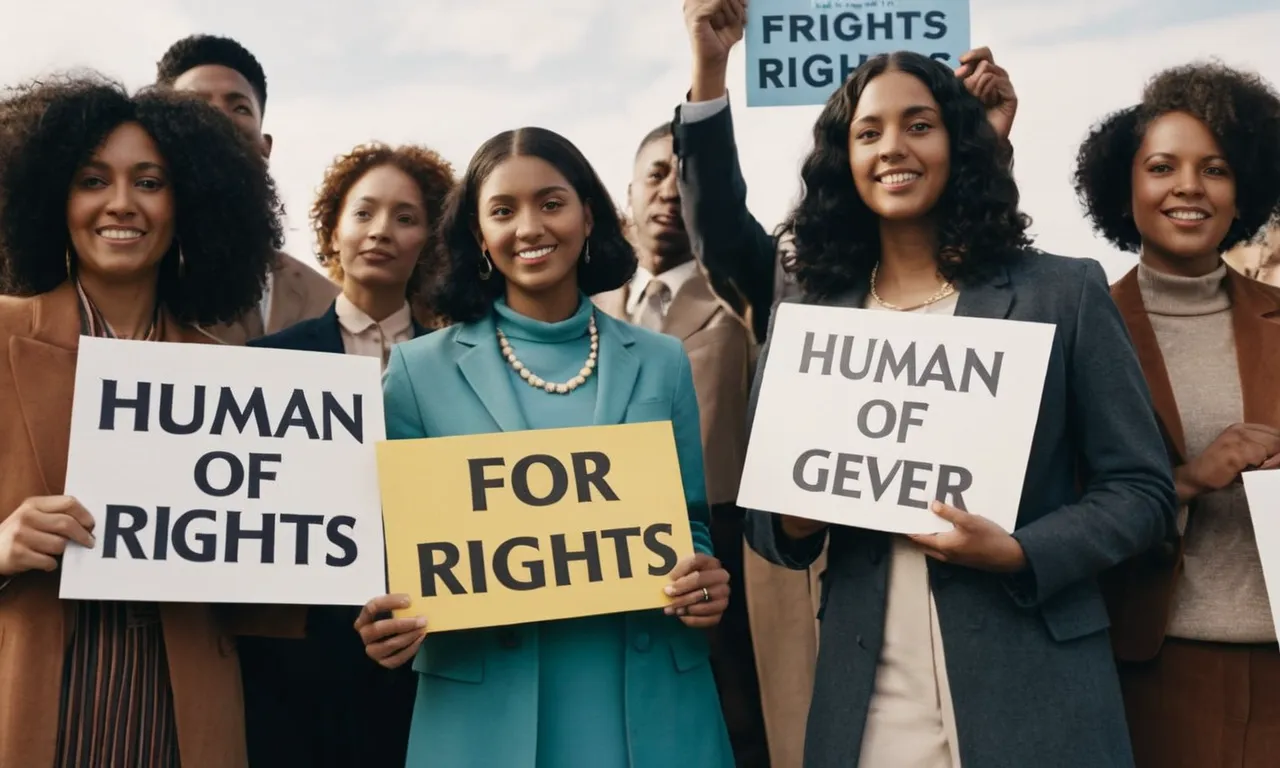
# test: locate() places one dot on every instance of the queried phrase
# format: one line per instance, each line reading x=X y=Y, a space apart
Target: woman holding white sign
x=1181 y=178
x=143 y=218
x=910 y=206
x=528 y=234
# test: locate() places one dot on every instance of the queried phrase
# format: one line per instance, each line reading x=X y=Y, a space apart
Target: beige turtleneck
x=1220 y=595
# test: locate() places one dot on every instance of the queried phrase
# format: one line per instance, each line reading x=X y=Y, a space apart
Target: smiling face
x=899 y=149
x=1184 y=195
x=655 y=204
x=230 y=92
x=120 y=209
x=534 y=227
x=382 y=229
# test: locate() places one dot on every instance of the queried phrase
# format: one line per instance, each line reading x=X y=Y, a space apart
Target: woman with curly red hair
x=373 y=219
x=1181 y=178
x=320 y=701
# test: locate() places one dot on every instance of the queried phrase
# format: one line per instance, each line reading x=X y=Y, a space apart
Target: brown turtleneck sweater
x=1221 y=595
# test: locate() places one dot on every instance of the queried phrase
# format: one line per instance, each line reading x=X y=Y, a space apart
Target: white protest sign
x=222 y=474
x=864 y=417
x=1262 y=488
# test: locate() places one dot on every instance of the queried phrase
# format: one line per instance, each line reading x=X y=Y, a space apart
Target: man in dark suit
x=228 y=76
x=672 y=294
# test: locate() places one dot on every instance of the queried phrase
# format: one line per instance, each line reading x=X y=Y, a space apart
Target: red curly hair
x=435 y=178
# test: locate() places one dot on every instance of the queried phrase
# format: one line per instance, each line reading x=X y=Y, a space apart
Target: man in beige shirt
x=231 y=79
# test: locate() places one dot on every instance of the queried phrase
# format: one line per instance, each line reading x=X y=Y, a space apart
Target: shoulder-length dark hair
x=226 y=210
x=458 y=292
x=837 y=236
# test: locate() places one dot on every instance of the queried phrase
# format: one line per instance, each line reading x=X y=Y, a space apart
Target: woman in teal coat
x=531 y=232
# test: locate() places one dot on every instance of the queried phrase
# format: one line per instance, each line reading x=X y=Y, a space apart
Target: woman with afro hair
x=909 y=205
x=138 y=217
x=1180 y=178
x=321 y=701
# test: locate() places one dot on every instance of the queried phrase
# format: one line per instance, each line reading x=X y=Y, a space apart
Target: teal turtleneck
x=579 y=660
x=556 y=352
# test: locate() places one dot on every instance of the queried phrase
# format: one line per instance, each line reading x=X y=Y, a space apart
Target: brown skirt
x=1205 y=705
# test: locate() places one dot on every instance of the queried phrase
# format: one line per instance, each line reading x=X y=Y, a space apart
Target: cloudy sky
x=451 y=74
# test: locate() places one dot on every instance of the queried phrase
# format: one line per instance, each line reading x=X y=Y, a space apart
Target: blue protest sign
x=799 y=51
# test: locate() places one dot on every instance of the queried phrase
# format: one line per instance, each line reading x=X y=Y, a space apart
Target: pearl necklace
x=550 y=387
x=946 y=290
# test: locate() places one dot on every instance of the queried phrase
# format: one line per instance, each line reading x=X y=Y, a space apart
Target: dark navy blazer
x=320 y=334
x=322 y=701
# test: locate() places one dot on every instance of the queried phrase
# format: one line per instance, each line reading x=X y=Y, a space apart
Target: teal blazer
x=477 y=702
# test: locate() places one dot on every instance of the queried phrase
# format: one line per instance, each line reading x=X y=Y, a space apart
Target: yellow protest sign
x=514 y=527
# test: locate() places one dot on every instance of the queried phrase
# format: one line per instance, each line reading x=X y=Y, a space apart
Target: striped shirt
x=117 y=703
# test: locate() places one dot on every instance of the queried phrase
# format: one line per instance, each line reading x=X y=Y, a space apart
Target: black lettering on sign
x=621 y=548
x=194 y=535
x=429 y=571
x=342 y=541
x=664 y=551
x=302 y=535
x=816 y=471
x=185 y=411
x=879 y=359
x=237 y=533
x=848 y=27
x=116 y=530
x=208 y=542
x=520 y=480
x=561 y=556
x=440 y=562
x=480 y=483
x=537 y=572
x=590 y=479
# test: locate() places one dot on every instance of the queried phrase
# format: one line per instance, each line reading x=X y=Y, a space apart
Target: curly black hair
x=227 y=210
x=457 y=290
x=1241 y=110
x=837 y=237
x=432 y=173
x=200 y=50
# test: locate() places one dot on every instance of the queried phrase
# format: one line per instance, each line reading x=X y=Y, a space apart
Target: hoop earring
x=486 y=266
x=68 y=249
x=586 y=253
x=182 y=262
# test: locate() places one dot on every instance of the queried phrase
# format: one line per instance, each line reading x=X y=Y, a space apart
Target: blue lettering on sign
x=799 y=51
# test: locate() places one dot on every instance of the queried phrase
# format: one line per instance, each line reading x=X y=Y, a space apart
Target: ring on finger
x=706 y=595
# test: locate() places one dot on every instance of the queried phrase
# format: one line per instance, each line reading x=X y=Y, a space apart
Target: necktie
x=653 y=305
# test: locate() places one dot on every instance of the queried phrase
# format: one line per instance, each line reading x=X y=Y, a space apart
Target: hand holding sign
x=1240 y=447
x=991 y=84
x=975 y=542
x=699 y=590
x=389 y=641
x=38 y=531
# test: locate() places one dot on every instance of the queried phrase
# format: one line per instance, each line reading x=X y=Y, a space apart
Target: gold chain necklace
x=946 y=290
x=550 y=387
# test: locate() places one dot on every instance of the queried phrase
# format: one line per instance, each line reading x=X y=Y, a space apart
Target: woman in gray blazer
x=910 y=205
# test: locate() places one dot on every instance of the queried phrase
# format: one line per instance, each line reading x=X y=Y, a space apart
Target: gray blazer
x=1028 y=657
